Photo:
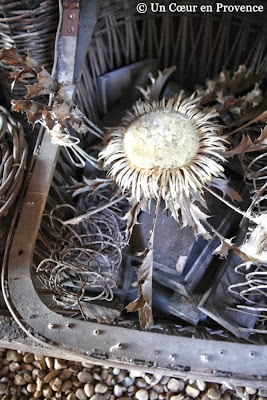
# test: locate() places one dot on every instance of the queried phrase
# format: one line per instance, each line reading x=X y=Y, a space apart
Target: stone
x=116 y=371
x=56 y=384
x=39 y=384
x=214 y=394
x=47 y=391
x=250 y=390
x=71 y=396
x=142 y=394
x=3 y=388
x=99 y=396
x=12 y=355
x=127 y=382
x=101 y=388
x=173 y=385
x=80 y=394
x=51 y=375
x=140 y=383
x=31 y=387
x=262 y=392
x=67 y=385
x=85 y=376
x=165 y=379
x=28 y=358
x=89 y=389
x=177 y=397
x=14 y=366
x=192 y=391
x=19 y=380
x=201 y=385
x=59 y=364
x=117 y=390
x=49 y=362
x=153 y=395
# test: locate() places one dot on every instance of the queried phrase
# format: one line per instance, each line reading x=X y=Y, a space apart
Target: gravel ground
x=27 y=376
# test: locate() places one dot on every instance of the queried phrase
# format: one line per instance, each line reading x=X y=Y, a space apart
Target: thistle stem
x=76 y=220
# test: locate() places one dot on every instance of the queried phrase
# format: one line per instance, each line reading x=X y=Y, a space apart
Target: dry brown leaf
x=222 y=184
x=246 y=145
x=27 y=66
x=143 y=304
x=152 y=93
x=132 y=214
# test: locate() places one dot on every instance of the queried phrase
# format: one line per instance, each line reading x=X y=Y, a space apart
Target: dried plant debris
x=59 y=114
x=176 y=150
x=81 y=263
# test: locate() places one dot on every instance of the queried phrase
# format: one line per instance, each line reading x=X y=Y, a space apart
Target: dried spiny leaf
x=152 y=93
x=246 y=145
x=27 y=65
x=222 y=184
x=132 y=214
x=143 y=304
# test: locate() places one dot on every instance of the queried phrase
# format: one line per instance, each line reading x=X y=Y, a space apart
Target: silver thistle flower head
x=168 y=148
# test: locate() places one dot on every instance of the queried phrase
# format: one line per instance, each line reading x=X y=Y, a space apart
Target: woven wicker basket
x=28 y=25
x=200 y=45
x=13 y=160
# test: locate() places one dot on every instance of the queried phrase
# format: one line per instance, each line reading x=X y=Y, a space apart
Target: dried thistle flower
x=168 y=149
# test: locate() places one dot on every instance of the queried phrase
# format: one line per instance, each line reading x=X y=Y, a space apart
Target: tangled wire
x=84 y=259
x=252 y=292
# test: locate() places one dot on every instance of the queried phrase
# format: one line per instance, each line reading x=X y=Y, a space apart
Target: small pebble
x=141 y=394
x=177 y=397
x=117 y=391
x=28 y=358
x=67 y=385
x=153 y=395
x=71 y=396
x=173 y=385
x=165 y=379
x=19 y=380
x=101 y=388
x=89 y=389
x=49 y=362
x=52 y=374
x=262 y=392
x=85 y=376
x=201 y=385
x=3 y=388
x=14 y=366
x=140 y=383
x=99 y=396
x=127 y=381
x=31 y=387
x=250 y=390
x=213 y=394
x=59 y=364
x=13 y=355
x=56 y=384
x=80 y=394
x=116 y=371
x=192 y=391
x=47 y=391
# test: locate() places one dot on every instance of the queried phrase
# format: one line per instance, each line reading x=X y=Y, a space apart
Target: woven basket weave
x=29 y=25
x=13 y=159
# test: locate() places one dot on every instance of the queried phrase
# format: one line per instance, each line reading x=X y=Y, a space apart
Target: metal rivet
x=204 y=357
x=97 y=332
x=50 y=326
x=70 y=16
x=70 y=29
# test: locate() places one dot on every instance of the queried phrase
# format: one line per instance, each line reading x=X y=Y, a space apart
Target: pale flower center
x=161 y=139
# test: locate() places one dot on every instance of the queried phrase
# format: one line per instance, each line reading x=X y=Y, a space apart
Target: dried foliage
x=59 y=114
x=237 y=113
